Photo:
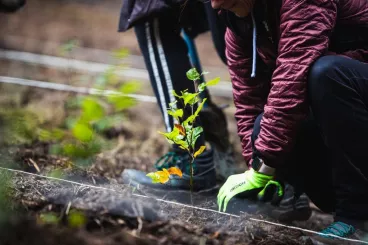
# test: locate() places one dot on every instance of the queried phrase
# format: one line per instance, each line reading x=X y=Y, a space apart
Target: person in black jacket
x=158 y=29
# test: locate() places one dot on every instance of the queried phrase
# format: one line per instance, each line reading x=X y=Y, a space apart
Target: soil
x=117 y=213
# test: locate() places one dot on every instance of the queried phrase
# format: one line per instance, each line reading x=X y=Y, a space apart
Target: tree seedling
x=185 y=133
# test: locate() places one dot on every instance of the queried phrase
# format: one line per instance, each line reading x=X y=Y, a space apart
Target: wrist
x=260 y=166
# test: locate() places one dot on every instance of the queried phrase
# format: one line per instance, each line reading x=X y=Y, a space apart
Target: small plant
x=91 y=115
x=185 y=134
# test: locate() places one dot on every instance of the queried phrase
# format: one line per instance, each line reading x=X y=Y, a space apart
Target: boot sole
x=163 y=192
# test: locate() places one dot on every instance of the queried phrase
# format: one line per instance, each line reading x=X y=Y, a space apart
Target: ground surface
x=114 y=213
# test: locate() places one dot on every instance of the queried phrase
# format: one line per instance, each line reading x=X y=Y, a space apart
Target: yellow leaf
x=175 y=171
x=166 y=172
x=180 y=128
x=163 y=176
x=213 y=82
x=154 y=177
x=199 y=152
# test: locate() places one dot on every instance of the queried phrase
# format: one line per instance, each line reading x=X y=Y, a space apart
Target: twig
x=34 y=164
x=68 y=208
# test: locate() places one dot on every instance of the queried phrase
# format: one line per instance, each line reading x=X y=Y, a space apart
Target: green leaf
x=49 y=218
x=174 y=137
x=91 y=110
x=176 y=113
x=76 y=219
x=57 y=134
x=121 y=102
x=189 y=120
x=190 y=98
x=188 y=127
x=201 y=87
x=175 y=94
x=52 y=135
x=204 y=73
x=193 y=74
x=195 y=135
x=84 y=150
x=200 y=106
x=108 y=122
x=70 y=122
x=213 y=82
x=44 y=135
x=130 y=87
x=173 y=104
x=183 y=144
x=121 y=53
x=82 y=132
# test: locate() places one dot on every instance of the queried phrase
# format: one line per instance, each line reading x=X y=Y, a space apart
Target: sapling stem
x=191 y=141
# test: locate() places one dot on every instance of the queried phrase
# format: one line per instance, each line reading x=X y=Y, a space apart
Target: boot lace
x=338 y=229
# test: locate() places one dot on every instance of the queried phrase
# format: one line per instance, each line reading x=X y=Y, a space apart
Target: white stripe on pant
x=163 y=60
x=162 y=100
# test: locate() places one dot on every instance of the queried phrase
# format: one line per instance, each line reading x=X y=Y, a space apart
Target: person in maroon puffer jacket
x=299 y=71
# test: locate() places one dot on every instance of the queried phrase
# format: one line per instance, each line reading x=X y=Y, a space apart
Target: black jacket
x=189 y=13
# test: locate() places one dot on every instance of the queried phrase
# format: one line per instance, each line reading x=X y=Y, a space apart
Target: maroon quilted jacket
x=290 y=36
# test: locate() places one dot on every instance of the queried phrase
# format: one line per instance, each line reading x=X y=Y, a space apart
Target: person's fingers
x=262 y=194
x=280 y=189
x=278 y=195
x=220 y=196
x=220 y=199
x=222 y=189
x=227 y=199
x=219 y=203
x=273 y=191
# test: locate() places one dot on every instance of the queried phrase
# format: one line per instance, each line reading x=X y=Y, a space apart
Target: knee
x=320 y=76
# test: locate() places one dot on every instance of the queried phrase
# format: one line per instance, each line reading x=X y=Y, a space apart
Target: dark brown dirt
x=115 y=215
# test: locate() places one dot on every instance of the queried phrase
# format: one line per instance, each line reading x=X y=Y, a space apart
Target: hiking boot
x=215 y=131
x=338 y=233
x=204 y=176
x=292 y=207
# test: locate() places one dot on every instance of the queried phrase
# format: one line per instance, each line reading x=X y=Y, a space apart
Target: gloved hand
x=248 y=183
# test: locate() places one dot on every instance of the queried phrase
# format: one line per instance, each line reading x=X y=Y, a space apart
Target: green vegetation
x=185 y=134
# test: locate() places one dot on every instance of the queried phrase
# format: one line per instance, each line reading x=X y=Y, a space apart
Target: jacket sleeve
x=249 y=93
x=305 y=27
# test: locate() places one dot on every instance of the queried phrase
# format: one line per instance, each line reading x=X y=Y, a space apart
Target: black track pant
x=166 y=55
x=330 y=158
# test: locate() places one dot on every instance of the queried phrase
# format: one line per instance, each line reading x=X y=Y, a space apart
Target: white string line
x=69 y=88
x=305 y=230
x=189 y=206
x=53 y=178
x=222 y=89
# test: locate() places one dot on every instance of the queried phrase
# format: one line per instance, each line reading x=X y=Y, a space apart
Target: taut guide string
x=184 y=205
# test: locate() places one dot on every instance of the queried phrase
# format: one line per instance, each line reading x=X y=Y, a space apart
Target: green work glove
x=248 y=183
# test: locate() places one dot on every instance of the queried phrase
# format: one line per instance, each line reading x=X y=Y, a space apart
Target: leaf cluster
x=185 y=133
